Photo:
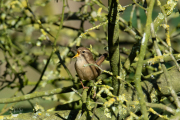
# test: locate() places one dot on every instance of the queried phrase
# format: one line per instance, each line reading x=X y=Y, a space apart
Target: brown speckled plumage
x=85 y=57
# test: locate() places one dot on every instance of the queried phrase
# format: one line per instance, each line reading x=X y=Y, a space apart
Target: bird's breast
x=85 y=72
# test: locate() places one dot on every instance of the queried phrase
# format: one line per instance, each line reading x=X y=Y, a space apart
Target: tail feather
x=101 y=58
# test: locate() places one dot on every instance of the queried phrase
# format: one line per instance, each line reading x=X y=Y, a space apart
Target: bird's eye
x=83 y=51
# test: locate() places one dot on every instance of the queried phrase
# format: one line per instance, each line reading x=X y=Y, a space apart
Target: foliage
x=140 y=82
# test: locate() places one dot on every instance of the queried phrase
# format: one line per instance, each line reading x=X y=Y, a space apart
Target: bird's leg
x=94 y=93
x=84 y=86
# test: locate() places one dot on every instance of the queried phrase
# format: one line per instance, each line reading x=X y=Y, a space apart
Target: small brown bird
x=84 y=57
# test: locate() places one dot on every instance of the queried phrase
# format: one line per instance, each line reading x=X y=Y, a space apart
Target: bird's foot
x=84 y=86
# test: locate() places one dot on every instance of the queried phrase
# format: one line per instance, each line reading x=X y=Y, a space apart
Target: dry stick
x=173 y=93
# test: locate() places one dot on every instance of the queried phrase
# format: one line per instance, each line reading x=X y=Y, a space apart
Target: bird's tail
x=101 y=58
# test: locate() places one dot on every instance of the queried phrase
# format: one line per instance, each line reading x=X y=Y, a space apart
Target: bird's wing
x=80 y=74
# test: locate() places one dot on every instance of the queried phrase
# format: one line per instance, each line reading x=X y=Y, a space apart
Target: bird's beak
x=76 y=55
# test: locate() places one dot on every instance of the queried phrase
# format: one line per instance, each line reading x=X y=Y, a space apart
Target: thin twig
x=76 y=92
x=110 y=73
x=167 y=77
x=173 y=58
x=139 y=5
x=138 y=73
x=161 y=106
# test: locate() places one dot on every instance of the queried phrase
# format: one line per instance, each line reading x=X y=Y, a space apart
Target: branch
x=141 y=58
x=30 y=96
